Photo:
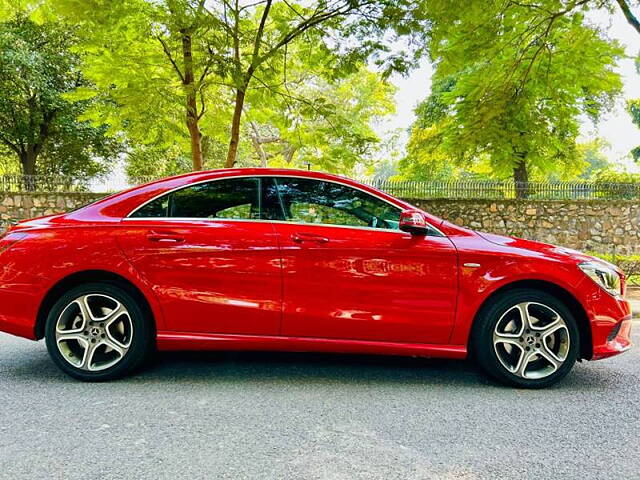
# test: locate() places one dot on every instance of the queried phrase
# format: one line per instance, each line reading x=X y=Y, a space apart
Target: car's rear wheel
x=98 y=332
x=526 y=338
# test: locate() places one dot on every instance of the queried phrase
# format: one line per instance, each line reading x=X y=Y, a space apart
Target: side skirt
x=203 y=341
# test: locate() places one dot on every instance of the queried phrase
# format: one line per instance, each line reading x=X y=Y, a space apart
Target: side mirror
x=413 y=222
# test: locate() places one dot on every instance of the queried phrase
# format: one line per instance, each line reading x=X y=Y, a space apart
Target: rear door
x=349 y=273
x=213 y=262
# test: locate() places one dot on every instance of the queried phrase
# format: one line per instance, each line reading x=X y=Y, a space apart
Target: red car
x=268 y=259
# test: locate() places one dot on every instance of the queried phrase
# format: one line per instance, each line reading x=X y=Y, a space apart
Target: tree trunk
x=289 y=152
x=235 y=128
x=191 y=102
x=28 y=162
x=196 y=143
x=257 y=144
x=521 y=177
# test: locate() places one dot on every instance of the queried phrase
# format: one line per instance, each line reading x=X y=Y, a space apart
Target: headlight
x=604 y=276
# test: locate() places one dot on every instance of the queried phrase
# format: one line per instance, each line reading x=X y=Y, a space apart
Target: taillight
x=9 y=239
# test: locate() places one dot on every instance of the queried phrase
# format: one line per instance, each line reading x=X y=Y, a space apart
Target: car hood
x=553 y=251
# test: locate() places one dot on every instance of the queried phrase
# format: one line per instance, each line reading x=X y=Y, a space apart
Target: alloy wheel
x=531 y=340
x=94 y=332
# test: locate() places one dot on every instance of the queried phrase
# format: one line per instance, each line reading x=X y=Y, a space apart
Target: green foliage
x=612 y=176
x=630 y=264
x=323 y=122
x=633 y=107
x=40 y=127
x=149 y=161
x=159 y=160
x=594 y=162
x=509 y=86
x=133 y=53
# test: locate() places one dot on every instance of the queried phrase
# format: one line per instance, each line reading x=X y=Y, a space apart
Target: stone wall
x=594 y=225
x=598 y=226
x=20 y=206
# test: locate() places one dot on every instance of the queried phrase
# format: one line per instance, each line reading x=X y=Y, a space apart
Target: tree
x=156 y=65
x=148 y=57
x=594 y=161
x=509 y=88
x=633 y=107
x=261 y=33
x=37 y=123
x=327 y=125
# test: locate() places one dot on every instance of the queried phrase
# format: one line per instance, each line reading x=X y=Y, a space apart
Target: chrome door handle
x=308 y=237
x=160 y=237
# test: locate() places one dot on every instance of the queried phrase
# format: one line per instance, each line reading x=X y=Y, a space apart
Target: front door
x=349 y=273
x=211 y=260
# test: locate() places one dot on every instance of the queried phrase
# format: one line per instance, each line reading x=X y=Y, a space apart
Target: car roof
x=119 y=205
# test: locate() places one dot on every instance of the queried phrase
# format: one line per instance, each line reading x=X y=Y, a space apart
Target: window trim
x=128 y=217
x=184 y=187
x=284 y=211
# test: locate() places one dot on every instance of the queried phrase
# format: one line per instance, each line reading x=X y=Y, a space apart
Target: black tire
x=141 y=333
x=482 y=339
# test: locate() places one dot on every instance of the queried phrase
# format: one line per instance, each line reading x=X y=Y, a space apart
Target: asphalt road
x=303 y=416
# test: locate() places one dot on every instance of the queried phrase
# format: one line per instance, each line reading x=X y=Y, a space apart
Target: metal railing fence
x=497 y=190
x=488 y=190
x=43 y=183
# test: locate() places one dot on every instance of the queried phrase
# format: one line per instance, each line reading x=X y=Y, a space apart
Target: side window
x=234 y=198
x=315 y=201
x=157 y=209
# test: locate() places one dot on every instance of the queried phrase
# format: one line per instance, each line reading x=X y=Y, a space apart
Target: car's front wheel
x=526 y=338
x=98 y=332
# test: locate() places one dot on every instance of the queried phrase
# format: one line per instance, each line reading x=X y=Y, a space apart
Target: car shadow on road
x=278 y=369
x=310 y=367
x=321 y=368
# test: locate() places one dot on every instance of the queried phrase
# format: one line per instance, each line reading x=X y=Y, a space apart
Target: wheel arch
x=562 y=294
x=80 y=278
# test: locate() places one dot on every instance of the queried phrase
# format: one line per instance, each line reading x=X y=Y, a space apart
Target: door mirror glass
x=413 y=222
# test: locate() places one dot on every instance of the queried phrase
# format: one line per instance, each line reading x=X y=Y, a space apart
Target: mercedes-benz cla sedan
x=266 y=259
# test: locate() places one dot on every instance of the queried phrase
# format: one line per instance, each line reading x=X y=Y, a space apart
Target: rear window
x=234 y=198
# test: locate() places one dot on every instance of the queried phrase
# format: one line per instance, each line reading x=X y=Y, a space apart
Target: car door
x=213 y=262
x=350 y=273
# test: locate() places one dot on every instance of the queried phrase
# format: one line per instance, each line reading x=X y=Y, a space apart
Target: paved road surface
x=301 y=416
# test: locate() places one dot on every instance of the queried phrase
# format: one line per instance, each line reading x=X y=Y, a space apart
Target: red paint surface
x=217 y=284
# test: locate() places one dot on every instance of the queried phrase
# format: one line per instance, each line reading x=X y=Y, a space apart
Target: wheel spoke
x=85 y=309
x=114 y=343
x=68 y=336
x=114 y=315
x=549 y=356
x=514 y=368
x=553 y=328
x=500 y=328
x=523 y=308
x=88 y=355
x=523 y=363
x=63 y=322
x=561 y=356
x=499 y=337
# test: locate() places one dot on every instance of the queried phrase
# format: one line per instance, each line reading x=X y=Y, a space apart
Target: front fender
x=485 y=271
